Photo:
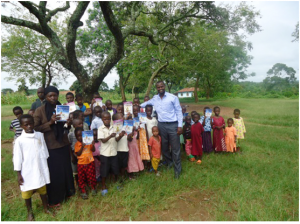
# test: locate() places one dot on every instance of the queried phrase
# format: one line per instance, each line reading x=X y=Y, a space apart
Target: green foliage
x=76 y=87
x=6 y=90
x=23 y=87
x=295 y=34
x=16 y=98
x=282 y=70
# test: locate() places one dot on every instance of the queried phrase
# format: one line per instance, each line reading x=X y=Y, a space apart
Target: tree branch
x=30 y=6
x=21 y=22
x=53 y=12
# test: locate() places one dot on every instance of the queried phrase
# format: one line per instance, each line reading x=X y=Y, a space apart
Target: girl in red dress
x=218 y=124
x=196 y=134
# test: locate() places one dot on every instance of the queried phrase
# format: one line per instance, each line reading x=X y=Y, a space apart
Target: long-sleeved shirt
x=168 y=108
x=30 y=157
x=96 y=123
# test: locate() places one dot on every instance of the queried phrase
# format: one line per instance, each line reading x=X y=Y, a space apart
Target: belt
x=172 y=122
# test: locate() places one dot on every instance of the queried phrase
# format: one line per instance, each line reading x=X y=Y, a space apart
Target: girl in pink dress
x=230 y=136
x=135 y=163
x=218 y=124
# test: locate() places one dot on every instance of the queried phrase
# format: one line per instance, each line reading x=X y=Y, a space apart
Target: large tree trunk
x=207 y=93
x=196 y=90
x=153 y=76
x=122 y=88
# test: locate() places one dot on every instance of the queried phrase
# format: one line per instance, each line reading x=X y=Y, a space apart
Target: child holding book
x=142 y=143
x=78 y=114
x=108 y=151
x=85 y=164
x=96 y=155
x=30 y=162
x=230 y=136
x=84 y=107
x=218 y=124
x=188 y=138
x=70 y=99
x=196 y=134
x=136 y=101
x=155 y=149
x=192 y=116
x=206 y=136
x=238 y=123
x=97 y=121
x=150 y=121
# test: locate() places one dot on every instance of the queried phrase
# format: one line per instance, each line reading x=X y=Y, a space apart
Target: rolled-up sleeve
x=18 y=157
x=149 y=102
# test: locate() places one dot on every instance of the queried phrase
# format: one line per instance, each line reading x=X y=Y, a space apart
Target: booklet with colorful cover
x=98 y=102
x=118 y=125
x=208 y=112
x=127 y=108
x=87 y=137
x=136 y=122
x=142 y=110
x=128 y=126
x=72 y=106
x=142 y=117
x=63 y=111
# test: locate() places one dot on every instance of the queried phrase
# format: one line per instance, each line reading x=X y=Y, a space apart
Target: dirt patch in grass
x=225 y=111
x=189 y=206
x=8 y=118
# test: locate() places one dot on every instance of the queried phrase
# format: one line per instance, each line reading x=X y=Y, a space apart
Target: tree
x=33 y=60
x=103 y=87
x=6 y=90
x=23 y=87
x=282 y=70
x=295 y=34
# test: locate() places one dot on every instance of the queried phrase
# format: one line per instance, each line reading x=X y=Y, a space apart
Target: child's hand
x=93 y=142
x=103 y=107
x=83 y=144
x=97 y=157
x=122 y=133
x=74 y=160
x=234 y=140
x=93 y=101
x=113 y=135
x=20 y=179
x=69 y=122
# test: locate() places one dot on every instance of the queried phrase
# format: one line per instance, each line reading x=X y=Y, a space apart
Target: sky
x=270 y=46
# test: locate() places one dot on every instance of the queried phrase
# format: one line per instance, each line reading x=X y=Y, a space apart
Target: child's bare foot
x=30 y=217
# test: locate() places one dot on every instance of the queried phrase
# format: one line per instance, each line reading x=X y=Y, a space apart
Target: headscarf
x=57 y=128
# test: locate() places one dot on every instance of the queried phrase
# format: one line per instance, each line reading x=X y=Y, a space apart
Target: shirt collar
x=28 y=135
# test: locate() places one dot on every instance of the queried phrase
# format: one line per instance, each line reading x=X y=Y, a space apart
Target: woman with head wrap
x=59 y=162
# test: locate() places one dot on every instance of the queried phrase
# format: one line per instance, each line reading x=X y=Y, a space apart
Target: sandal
x=199 y=161
x=84 y=196
x=104 y=192
x=57 y=206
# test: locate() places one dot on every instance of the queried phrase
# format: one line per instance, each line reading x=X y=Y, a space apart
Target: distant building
x=186 y=92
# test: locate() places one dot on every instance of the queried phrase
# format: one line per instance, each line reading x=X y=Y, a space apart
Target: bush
x=16 y=98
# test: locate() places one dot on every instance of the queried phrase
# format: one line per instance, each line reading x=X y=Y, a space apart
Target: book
x=142 y=117
x=72 y=106
x=98 y=102
x=128 y=126
x=63 y=111
x=185 y=114
x=208 y=112
x=87 y=137
x=142 y=110
x=127 y=108
x=136 y=122
x=118 y=125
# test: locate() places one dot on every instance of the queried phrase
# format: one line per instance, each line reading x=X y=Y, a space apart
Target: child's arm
x=93 y=148
x=120 y=136
x=138 y=134
x=235 y=138
x=11 y=128
x=80 y=151
x=129 y=137
x=20 y=178
x=150 y=151
x=203 y=123
x=104 y=140
x=147 y=136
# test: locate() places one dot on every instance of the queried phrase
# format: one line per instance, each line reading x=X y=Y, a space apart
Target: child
x=84 y=107
x=70 y=99
x=109 y=107
x=30 y=162
x=136 y=101
x=155 y=149
x=206 y=136
x=154 y=114
x=218 y=125
x=108 y=151
x=192 y=116
x=188 y=138
x=31 y=112
x=85 y=164
x=78 y=114
x=240 y=128
x=72 y=139
x=196 y=134
x=183 y=109
x=135 y=163
x=96 y=155
x=15 y=124
x=97 y=121
x=120 y=108
x=142 y=136
x=151 y=121
x=230 y=136
x=122 y=146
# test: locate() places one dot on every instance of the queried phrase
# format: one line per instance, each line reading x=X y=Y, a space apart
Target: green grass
x=262 y=183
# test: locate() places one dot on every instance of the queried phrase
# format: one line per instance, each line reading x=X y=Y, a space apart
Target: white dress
x=30 y=157
x=150 y=124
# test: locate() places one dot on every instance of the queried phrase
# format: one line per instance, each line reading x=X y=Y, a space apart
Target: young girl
x=188 y=138
x=84 y=107
x=206 y=136
x=240 y=128
x=96 y=155
x=155 y=149
x=230 y=136
x=151 y=121
x=196 y=134
x=192 y=116
x=142 y=143
x=218 y=125
x=135 y=163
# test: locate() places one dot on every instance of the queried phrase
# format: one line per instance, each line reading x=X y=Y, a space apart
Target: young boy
x=122 y=147
x=30 y=162
x=108 y=151
x=72 y=139
x=150 y=121
x=109 y=107
x=97 y=121
x=70 y=98
x=136 y=101
x=85 y=165
x=15 y=124
x=84 y=107
x=120 y=108
x=78 y=114
x=155 y=149
x=31 y=112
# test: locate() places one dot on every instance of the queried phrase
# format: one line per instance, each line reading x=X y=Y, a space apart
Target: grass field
x=261 y=183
